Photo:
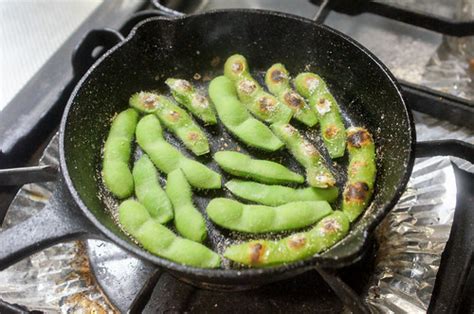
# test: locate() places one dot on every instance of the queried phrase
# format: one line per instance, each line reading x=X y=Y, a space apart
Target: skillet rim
x=239 y=274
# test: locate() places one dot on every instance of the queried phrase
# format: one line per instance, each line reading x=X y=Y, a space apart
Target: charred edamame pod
x=167 y=158
x=265 y=171
x=161 y=241
x=260 y=253
x=274 y=195
x=317 y=174
x=236 y=118
x=117 y=150
x=277 y=79
x=149 y=192
x=360 y=173
x=233 y=215
x=176 y=119
x=185 y=94
x=187 y=219
x=261 y=104
x=332 y=127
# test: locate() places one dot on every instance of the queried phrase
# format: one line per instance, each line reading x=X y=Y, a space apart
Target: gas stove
x=411 y=42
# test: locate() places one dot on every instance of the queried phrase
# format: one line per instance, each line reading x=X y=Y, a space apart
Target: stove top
x=414 y=54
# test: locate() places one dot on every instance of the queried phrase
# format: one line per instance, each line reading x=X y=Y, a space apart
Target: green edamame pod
x=265 y=171
x=117 y=150
x=277 y=79
x=149 y=192
x=174 y=118
x=167 y=158
x=261 y=253
x=161 y=241
x=261 y=104
x=233 y=215
x=332 y=127
x=317 y=174
x=274 y=195
x=236 y=118
x=360 y=173
x=186 y=95
x=187 y=219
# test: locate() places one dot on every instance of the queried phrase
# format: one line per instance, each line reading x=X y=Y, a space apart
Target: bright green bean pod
x=236 y=118
x=161 y=241
x=185 y=94
x=360 y=173
x=117 y=150
x=332 y=127
x=149 y=192
x=265 y=171
x=275 y=195
x=176 y=119
x=277 y=79
x=167 y=158
x=317 y=174
x=233 y=215
x=261 y=104
x=261 y=253
x=187 y=219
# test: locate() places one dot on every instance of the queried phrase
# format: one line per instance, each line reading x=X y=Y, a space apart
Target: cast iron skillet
x=159 y=48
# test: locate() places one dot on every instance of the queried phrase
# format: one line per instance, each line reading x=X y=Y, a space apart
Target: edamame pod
x=233 y=215
x=161 y=241
x=332 y=127
x=265 y=171
x=236 y=118
x=187 y=219
x=277 y=79
x=261 y=104
x=275 y=195
x=117 y=150
x=317 y=174
x=360 y=173
x=167 y=158
x=174 y=118
x=261 y=253
x=185 y=94
x=149 y=192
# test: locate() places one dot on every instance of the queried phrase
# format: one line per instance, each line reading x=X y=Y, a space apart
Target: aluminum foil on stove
x=412 y=239
x=57 y=279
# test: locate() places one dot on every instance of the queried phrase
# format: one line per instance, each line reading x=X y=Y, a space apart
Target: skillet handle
x=93 y=45
x=59 y=221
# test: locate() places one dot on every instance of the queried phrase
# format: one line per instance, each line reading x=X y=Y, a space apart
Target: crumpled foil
x=451 y=68
x=57 y=279
x=412 y=238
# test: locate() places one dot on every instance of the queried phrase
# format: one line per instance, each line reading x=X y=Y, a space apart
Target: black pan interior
x=195 y=48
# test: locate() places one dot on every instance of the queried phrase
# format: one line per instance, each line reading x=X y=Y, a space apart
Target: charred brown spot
x=331 y=131
x=174 y=116
x=290 y=129
x=266 y=104
x=331 y=225
x=256 y=251
x=247 y=87
x=193 y=136
x=297 y=241
x=277 y=76
x=184 y=85
x=359 y=138
x=356 y=192
x=355 y=167
x=311 y=83
x=149 y=101
x=309 y=149
x=293 y=100
x=237 y=67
